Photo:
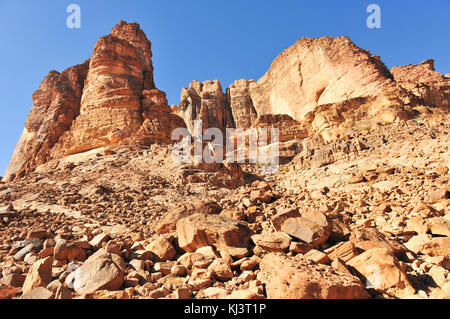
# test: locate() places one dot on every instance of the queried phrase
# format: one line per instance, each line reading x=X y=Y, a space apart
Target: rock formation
x=93 y=207
x=323 y=87
x=206 y=102
x=102 y=102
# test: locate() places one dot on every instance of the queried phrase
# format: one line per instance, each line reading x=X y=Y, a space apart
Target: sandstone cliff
x=107 y=100
x=325 y=88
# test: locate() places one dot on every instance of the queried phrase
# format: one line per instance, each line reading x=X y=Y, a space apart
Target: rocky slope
x=92 y=206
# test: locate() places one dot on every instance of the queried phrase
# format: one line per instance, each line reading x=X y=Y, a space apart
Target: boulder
x=225 y=234
x=283 y=214
x=162 y=248
x=344 y=251
x=370 y=238
x=221 y=270
x=38 y=293
x=439 y=226
x=168 y=222
x=101 y=271
x=64 y=250
x=381 y=271
x=299 y=278
x=306 y=230
x=273 y=242
x=7 y=292
x=428 y=245
x=13 y=280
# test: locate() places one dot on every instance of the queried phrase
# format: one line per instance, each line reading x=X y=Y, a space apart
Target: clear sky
x=201 y=40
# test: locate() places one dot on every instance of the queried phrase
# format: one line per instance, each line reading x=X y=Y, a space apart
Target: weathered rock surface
x=273 y=242
x=298 y=278
x=241 y=104
x=383 y=272
x=431 y=88
x=225 y=234
x=40 y=275
x=317 y=72
x=106 y=100
x=204 y=102
x=168 y=222
x=306 y=230
x=56 y=103
x=101 y=271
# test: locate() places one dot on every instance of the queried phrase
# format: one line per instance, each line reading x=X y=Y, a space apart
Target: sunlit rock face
x=428 y=86
x=111 y=103
x=107 y=100
x=315 y=72
x=319 y=87
x=206 y=102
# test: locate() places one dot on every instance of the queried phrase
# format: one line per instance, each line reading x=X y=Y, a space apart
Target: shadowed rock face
x=56 y=104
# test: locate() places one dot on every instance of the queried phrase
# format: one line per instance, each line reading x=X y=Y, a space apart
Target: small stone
x=273 y=242
x=317 y=257
x=221 y=270
x=98 y=240
x=38 y=293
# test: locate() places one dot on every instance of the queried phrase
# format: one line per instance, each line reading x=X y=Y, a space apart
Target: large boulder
x=428 y=245
x=383 y=272
x=273 y=242
x=162 y=248
x=39 y=275
x=306 y=230
x=205 y=102
x=370 y=238
x=225 y=234
x=68 y=251
x=168 y=222
x=299 y=278
x=101 y=271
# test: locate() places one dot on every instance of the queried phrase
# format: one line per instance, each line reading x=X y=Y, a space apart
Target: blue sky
x=201 y=40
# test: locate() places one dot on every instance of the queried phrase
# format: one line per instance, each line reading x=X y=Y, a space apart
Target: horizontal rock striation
x=107 y=100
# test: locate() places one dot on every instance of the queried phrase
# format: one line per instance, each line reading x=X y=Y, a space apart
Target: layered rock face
x=158 y=120
x=323 y=88
x=206 y=102
x=56 y=104
x=111 y=103
x=107 y=100
x=241 y=104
